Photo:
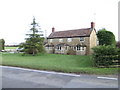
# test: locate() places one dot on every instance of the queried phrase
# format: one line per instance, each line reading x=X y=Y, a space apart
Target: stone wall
x=89 y=42
x=93 y=40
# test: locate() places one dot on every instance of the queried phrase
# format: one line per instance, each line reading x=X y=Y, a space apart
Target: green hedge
x=106 y=56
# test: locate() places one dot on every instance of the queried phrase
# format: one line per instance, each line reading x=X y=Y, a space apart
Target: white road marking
x=49 y=72
x=107 y=78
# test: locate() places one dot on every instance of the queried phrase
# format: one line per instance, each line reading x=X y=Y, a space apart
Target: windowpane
x=69 y=39
x=78 y=47
x=58 y=47
x=51 y=40
x=60 y=40
x=81 y=38
x=82 y=48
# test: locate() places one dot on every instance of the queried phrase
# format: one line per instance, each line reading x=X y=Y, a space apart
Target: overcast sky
x=16 y=16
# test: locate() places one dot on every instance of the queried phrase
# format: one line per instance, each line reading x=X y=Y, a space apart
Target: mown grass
x=55 y=62
x=11 y=47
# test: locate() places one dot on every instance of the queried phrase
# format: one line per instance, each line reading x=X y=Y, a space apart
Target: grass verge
x=11 y=47
x=54 y=62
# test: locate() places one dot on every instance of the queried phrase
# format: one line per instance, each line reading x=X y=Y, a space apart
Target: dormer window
x=82 y=38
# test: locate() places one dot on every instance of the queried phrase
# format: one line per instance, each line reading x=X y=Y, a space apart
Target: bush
x=105 y=55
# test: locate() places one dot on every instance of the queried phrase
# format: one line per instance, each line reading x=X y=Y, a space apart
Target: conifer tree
x=34 y=43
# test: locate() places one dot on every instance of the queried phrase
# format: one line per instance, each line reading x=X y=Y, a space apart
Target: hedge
x=106 y=56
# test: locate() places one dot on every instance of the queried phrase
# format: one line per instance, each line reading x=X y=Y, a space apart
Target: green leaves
x=2 y=42
x=33 y=44
x=105 y=55
x=106 y=37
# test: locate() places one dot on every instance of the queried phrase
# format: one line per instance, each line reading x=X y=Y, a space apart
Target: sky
x=17 y=15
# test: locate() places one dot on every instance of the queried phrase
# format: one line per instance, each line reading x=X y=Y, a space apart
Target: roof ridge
x=73 y=29
x=71 y=33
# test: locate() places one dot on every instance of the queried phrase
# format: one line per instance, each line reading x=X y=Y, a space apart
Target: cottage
x=79 y=41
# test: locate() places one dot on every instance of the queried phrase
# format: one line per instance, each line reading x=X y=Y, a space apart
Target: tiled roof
x=71 y=33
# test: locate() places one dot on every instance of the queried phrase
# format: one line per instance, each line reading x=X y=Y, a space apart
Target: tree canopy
x=2 y=42
x=34 y=43
x=106 y=37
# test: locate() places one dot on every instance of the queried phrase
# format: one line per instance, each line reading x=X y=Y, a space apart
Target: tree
x=33 y=44
x=2 y=44
x=106 y=37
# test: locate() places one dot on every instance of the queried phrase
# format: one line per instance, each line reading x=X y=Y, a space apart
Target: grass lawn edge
x=51 y=62
x=61 y=71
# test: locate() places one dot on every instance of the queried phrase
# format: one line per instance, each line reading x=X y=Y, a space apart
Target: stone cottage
x=78 y=40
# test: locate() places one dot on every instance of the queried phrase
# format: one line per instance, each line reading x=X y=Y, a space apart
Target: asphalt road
x=27 y=78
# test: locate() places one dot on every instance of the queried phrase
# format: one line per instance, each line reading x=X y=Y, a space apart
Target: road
x=28 y=78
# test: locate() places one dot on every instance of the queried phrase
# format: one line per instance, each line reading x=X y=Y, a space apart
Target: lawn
x=55 y=62
x=11 y=47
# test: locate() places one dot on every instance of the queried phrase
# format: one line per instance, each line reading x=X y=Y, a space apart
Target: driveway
x=13 y=77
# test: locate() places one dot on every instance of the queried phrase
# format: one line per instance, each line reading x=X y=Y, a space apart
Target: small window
x=78 y=47
x=83 y=48
x=74 y=48
x=69 y=39
x=47 y=47
x=81 y=38
x=59 y=48
x=60 y=40
x=66 y=48
x=51 y=40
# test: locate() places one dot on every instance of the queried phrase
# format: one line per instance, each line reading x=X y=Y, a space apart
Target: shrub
x=105 y=55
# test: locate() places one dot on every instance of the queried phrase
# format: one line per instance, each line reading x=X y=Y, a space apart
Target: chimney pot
x=53 y=29
x=92 y=25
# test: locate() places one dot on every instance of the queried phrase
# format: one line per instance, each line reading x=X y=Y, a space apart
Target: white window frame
x=66 y=47
x=59 y=48
x=60 y=40
x=47 y=48
x=51 y=40
x=83 y=48
x=69 y=39
x=78 y=48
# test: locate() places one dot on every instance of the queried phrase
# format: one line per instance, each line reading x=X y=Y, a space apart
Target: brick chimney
x=53 y=29
x=92 y=25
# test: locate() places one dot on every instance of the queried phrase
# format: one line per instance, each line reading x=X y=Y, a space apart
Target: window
x=83 y=48
x=59 y=48
x=81 y=38
x=50 y=47
x=66 y=48
x=74 y=48
x=69 y=39
x=60 y=40
x=78 y=47
x=51 y=40
x=47 y=47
